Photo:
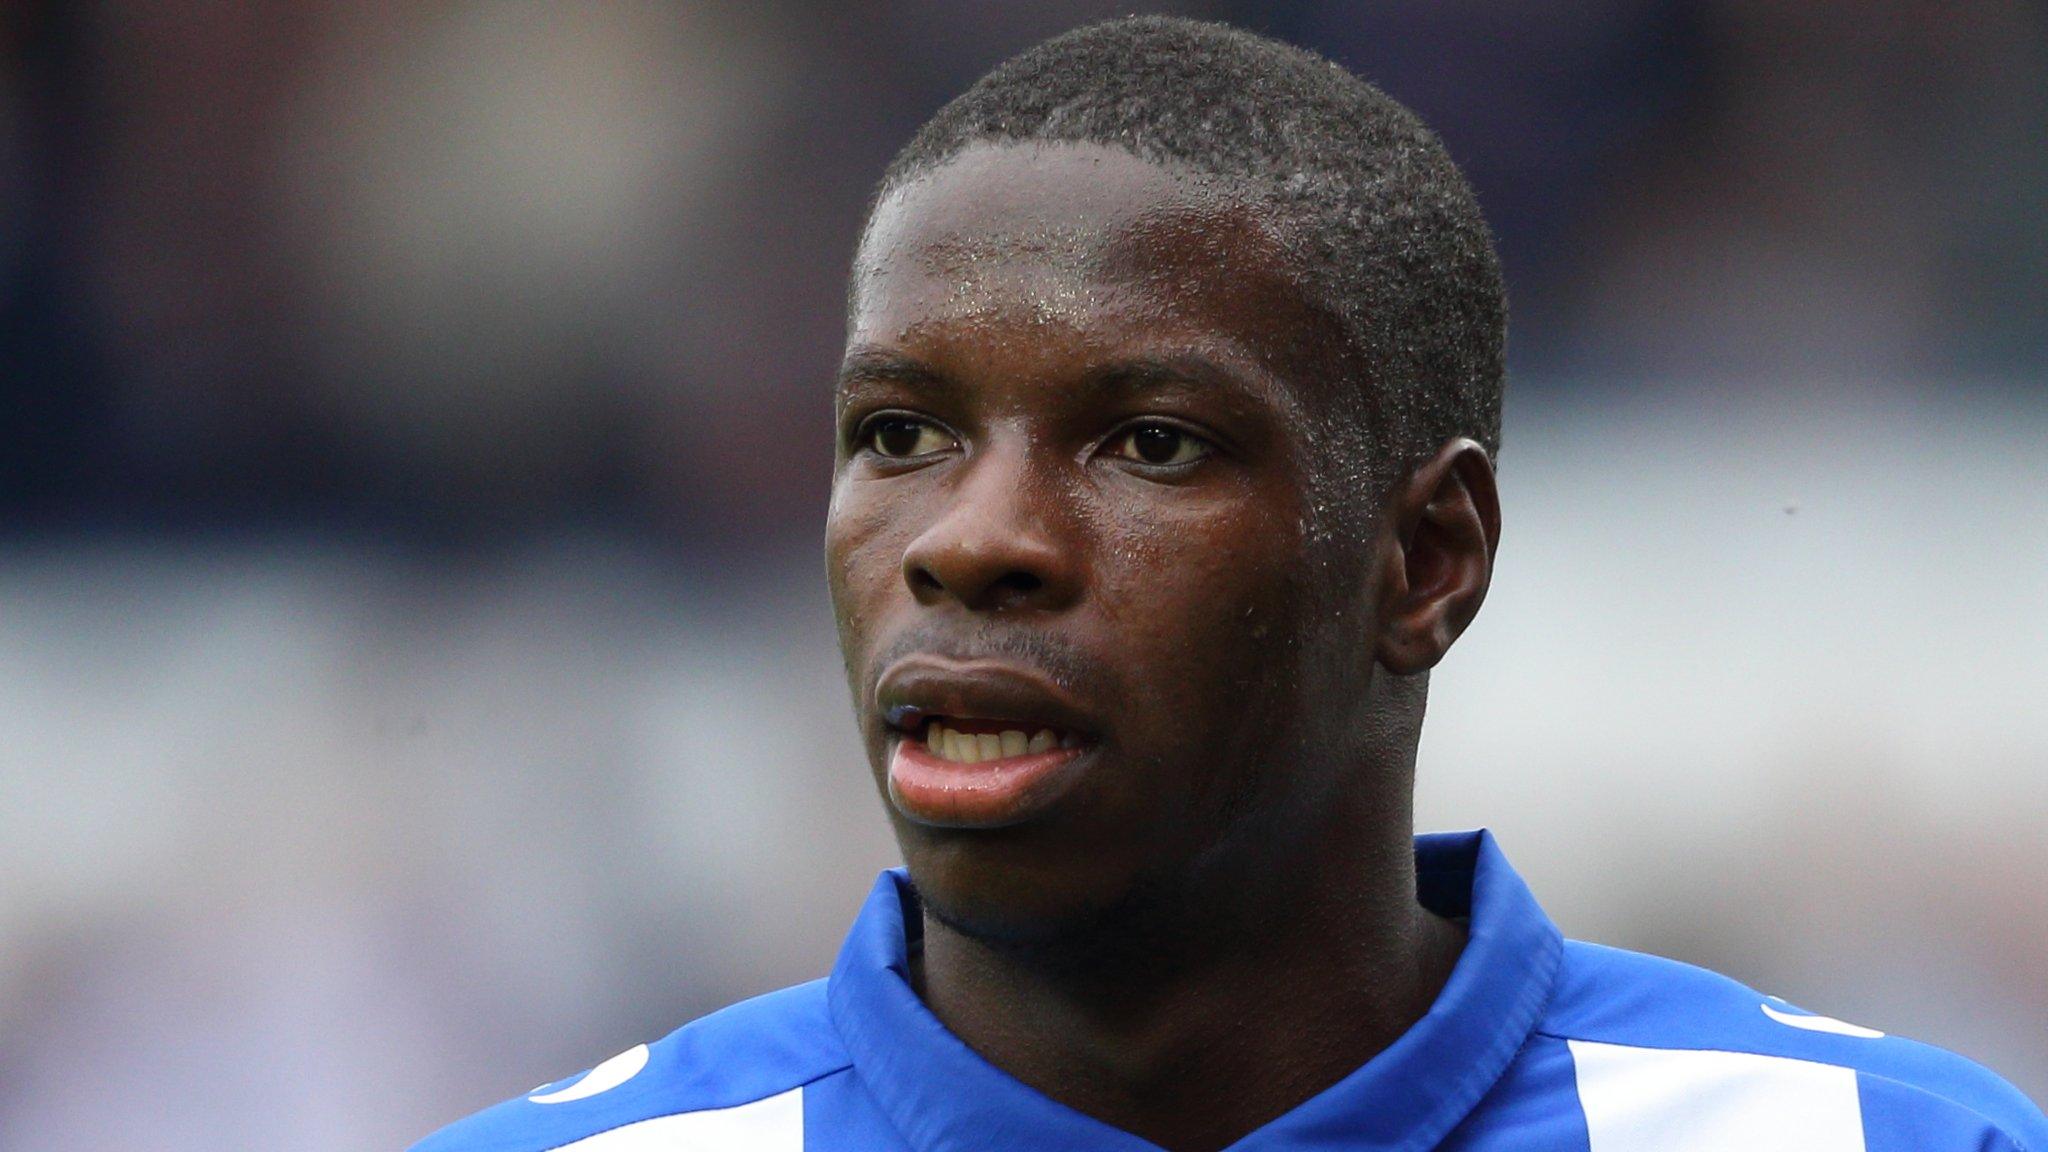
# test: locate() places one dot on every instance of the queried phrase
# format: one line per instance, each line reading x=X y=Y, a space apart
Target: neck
x=1192 y=1030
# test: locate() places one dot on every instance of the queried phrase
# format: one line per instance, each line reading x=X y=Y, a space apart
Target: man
x=1164 y=477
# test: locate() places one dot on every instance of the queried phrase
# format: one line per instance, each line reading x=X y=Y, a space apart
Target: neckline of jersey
x=943 y=1097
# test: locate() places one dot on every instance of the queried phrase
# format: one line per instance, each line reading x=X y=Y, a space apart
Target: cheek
x=862 y=559
x=1207 y=606
x=1209 y=598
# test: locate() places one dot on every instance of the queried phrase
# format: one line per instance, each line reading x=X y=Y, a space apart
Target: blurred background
x=415 y=665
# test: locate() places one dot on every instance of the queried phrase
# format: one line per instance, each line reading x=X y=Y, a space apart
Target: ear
x=1439 y=531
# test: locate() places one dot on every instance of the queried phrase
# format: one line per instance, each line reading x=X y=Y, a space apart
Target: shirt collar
x=945 y=1098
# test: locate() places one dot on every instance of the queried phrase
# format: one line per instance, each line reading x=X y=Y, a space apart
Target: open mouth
x=975 y=772
x=979 y=745
x=963 y=740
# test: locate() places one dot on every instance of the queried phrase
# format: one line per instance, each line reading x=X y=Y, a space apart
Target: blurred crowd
x=463 y=268
x=414 y=430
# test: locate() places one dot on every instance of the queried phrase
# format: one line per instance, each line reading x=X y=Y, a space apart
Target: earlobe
x=1442 y=527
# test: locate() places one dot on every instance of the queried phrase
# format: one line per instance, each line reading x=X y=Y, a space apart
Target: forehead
x=1078 y=243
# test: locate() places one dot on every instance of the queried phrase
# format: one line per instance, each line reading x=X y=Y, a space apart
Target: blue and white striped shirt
x=1536 y=1044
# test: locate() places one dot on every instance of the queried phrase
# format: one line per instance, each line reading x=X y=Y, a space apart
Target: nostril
x=982 y=575
x=1013 y=589
x=1020 y=582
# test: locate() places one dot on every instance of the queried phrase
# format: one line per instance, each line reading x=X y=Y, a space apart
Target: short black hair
x=1389 y=236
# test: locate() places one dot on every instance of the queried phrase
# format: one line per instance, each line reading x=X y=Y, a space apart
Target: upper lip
x=925 y=685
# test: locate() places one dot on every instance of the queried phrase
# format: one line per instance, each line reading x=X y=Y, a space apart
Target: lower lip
x=987 y=794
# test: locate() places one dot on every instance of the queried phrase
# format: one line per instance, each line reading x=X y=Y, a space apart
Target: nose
x=999 y=544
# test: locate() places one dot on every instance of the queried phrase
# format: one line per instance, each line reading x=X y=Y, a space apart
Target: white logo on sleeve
x=1826 y=1024
x=603 y=1078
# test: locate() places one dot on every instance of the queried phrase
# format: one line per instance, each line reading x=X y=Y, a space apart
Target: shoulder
x=1647 y=1033
x=730 y=1078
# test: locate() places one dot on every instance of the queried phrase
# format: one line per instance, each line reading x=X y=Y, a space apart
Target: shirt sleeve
x=1900 y=1117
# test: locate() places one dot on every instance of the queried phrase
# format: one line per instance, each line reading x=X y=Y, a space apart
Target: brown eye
x=901 y=437
x=1161 y=444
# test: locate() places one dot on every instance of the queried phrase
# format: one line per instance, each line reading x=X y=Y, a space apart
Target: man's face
x=1072 y=511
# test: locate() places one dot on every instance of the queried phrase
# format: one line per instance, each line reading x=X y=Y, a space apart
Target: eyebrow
x=1138 y=375
x=870 y=365
x=1147 y=374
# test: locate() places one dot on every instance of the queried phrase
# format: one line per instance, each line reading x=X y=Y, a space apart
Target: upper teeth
x=974 y=747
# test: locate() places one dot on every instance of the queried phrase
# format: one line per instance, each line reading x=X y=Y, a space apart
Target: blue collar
x=945 y=1098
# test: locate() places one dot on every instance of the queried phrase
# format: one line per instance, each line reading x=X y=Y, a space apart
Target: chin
x=1066 y=906
x=993 y=888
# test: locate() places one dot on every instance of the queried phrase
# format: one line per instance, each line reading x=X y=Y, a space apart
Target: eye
x=1161 y=445
x=898 y=437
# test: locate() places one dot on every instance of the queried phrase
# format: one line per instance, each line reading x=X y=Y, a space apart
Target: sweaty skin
x=1079 y=426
